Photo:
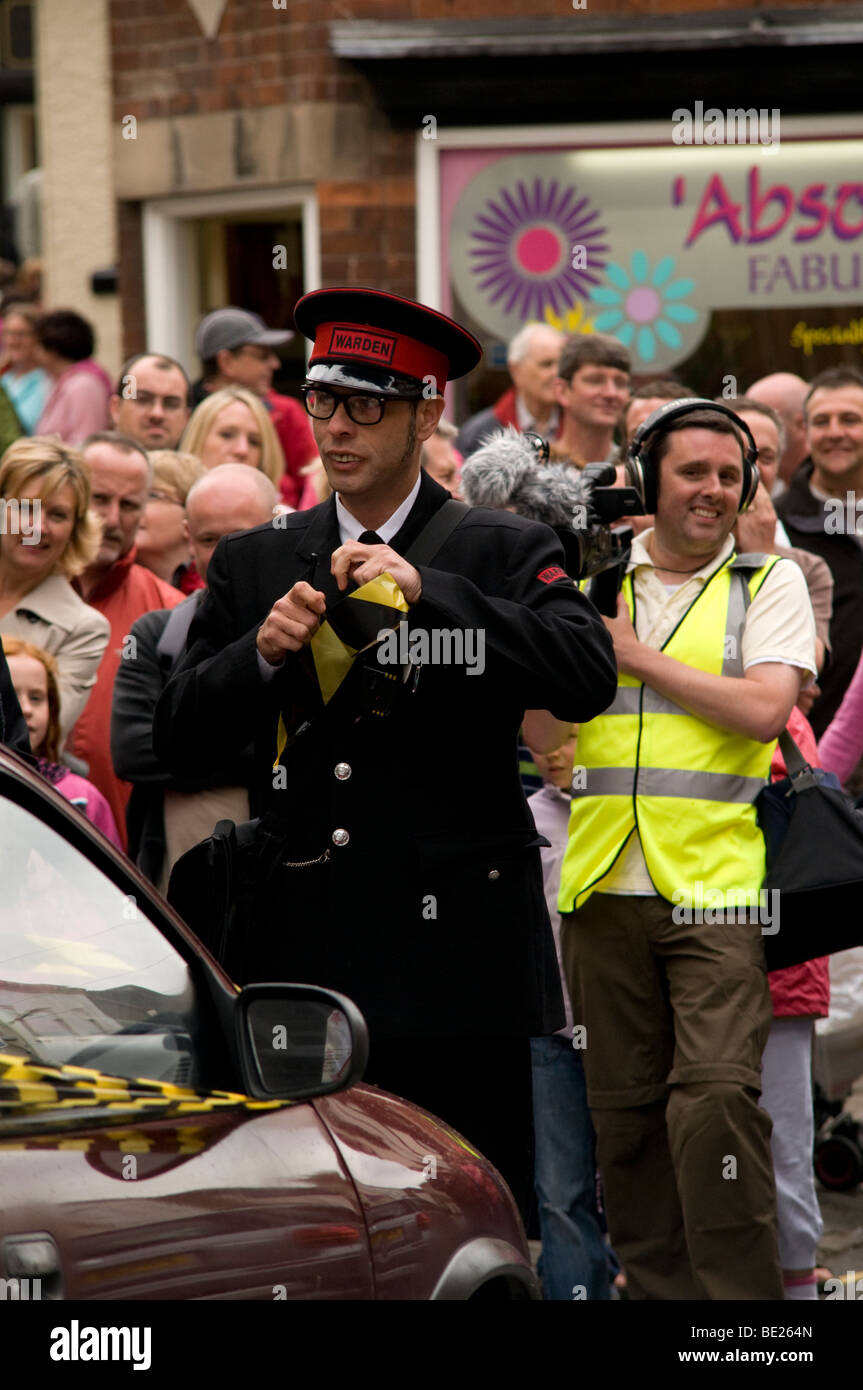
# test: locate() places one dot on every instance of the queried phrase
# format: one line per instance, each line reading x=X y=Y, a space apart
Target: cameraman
x=674 y=1001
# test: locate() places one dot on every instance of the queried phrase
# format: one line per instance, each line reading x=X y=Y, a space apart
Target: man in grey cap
x=237 y=349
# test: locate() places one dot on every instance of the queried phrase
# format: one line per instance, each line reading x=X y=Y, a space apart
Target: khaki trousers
x=676 y=1017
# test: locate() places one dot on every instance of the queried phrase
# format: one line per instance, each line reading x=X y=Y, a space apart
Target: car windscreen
x=86 y=979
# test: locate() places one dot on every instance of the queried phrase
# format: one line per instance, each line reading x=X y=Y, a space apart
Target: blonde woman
x=233 y=426
x=162 y=543
x=48 y=535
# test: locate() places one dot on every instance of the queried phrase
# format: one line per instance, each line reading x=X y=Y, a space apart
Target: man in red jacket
x=120 y=476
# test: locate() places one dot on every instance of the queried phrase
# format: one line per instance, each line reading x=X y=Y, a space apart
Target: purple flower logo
x=537 y=248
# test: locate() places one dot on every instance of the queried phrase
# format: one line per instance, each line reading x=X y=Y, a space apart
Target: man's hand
x=626 y=644
x=756 y=528
x=364 y=562
x=291 y=623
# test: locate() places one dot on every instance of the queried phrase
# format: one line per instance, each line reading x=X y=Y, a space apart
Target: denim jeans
x=573 y=1250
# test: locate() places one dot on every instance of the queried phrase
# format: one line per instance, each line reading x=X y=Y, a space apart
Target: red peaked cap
x=380 y=342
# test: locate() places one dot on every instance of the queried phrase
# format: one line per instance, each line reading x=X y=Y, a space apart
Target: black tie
x=370 y=538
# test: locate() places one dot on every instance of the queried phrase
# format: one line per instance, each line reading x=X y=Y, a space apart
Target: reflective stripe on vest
x=686 y=785
x=668 y=781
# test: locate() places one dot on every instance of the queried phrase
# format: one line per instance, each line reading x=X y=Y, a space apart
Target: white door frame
x=169 y=271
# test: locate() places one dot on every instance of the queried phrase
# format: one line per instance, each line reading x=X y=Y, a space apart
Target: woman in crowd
x=34 y=676
x=841 y=746
x=233 y=426
x=162 y=541
x=27 y=383
x=800 y=995
x=78 y=403
x=48 y=536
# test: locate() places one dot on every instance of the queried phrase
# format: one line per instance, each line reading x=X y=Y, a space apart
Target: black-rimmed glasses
x=362 y=409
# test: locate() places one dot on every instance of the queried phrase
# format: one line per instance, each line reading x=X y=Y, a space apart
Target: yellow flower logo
x=571 y=321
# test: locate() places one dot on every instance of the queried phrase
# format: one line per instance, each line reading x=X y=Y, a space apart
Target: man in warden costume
x=410 y=875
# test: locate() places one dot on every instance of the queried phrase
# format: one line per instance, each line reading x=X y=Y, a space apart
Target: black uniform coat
x=432 y=915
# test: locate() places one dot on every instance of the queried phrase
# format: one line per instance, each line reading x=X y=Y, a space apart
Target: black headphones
x=641 y=470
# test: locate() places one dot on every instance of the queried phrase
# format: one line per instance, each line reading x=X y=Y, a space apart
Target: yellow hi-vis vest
x=687 y=786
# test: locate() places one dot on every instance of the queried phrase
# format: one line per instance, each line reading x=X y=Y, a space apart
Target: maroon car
x=164 y=1135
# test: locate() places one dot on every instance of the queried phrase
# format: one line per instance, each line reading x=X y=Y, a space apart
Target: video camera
x=512 y=470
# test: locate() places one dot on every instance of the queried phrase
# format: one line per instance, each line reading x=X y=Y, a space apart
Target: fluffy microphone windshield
x=506 y=472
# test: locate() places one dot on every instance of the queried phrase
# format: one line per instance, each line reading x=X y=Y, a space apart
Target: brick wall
x=163 y=64
x=164 y=67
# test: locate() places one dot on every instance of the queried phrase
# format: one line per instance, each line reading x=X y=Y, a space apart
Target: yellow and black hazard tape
x=352 y=625
x=181 y=1140
x=27 y=1088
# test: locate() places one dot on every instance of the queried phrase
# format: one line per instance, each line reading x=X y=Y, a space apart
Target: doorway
x=258 y=250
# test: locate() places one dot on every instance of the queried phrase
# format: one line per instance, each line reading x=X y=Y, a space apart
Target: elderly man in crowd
x=119 y=588
x=785 y=393
x=531 y=401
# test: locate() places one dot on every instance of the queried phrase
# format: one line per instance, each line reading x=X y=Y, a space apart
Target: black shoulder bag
x=814 y=844
x=814 y=840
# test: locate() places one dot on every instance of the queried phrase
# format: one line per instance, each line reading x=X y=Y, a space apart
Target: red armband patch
x=547 y=576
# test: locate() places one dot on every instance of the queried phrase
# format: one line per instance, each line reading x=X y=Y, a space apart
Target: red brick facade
x=164 y=67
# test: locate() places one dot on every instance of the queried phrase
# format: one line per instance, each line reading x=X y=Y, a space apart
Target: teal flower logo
x=644 y=307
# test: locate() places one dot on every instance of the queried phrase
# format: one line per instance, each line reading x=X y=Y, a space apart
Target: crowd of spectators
x=130 y=485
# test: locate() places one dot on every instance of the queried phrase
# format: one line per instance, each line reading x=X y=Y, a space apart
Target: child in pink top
x=34 y=676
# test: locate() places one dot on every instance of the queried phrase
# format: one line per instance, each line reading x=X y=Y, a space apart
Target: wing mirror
x=299 y=1041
